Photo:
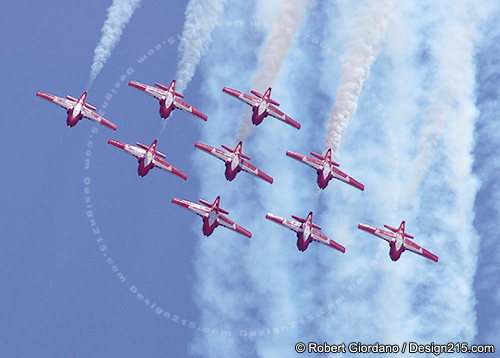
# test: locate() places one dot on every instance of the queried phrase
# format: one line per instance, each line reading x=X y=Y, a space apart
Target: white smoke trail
x=437 y=116
x=487 y=167
x=371 y=298
x=202 y=16
x=273 y=53
x=263 y=287
x=369 y=30
x=119 y=14
x=452 y=178
x=415 y=300
x=221 y=290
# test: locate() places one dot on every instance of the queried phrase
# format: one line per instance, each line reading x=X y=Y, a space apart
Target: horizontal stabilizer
x=304 y=220
x=232 y=151
x=391 y=228
x=255 y=93
x=163 y=87
x=316 y=226
x=91 y=107
x=299 y=219
x=227 y=148
x=260 y=95
x=273 y=102
x=71 y=98
x=319 y=156
x=206 y=203
x=143 y=146
x=396 y=230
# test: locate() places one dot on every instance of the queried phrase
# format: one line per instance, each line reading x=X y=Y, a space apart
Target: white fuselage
x=148 y=157
x=168 y=100
x=306 y=233
x=262 y=107
x=326 y=169
x=235 y=161
x=399 y=241
x=77 y=108
x=212 y=216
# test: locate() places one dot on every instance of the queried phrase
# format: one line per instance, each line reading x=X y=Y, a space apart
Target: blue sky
x=61 y=296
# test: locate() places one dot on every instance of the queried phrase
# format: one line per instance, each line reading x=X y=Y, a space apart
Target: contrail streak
x=271 y=306
x=487 y=167
x=202 y=16
x=454 y=46
x=273 y=53
x=364 y=47
x=449 y=88
x=119 y=14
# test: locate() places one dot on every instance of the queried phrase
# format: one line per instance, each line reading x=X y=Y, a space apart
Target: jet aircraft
x=306 y=231
x=233 y=159
x=262 y=106
x=148 y=158
x=398 y=241
x=77 y=109
x=325 y=167
x=168 y=98
x=211 y=214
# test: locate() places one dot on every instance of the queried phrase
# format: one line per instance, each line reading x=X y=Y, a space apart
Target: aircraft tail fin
x=171 y=87
x=217 y=201
x=402 y=226
x=143 y=146
x=299 y=219
x=267 y=95
x=233 y=149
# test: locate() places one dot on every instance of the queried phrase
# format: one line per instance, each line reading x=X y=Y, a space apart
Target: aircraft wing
x=276 y=113
x=63 y=102
x=289 y=224
x=322 y=238
x=411 y=246
x=88 y=113
x=180 y=104
x=246 y=98
x=312 y=162
x=388 y=236
x=226 y=222
x=168 y=168
x=193 y=207
x=130 y=149
x=249 y=168
x=216 y=152
x=150 y=90
x=347 y=179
